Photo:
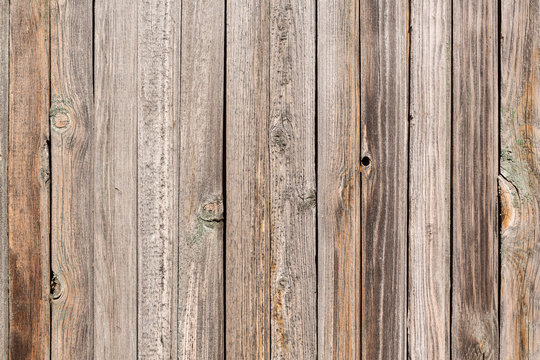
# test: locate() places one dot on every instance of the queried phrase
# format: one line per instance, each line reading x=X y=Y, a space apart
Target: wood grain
x=4 y=136
x=474 y=180
x=519 y=180
x=157 y=194
x=248 y=225
x=115 y=180
x=384 y=61
x=200 y=288
x=339 y=188
x=429 y=179
x=28 y=180
x=292 y=180
x=71 y=127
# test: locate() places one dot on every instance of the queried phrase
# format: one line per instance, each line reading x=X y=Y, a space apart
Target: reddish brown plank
x=28 y=182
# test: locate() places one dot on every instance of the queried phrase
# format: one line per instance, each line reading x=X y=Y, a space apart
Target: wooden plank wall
x=213 y=179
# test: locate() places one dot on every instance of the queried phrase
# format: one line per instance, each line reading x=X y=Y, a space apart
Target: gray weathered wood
x=157 y=215
x=115 y=180
x=292 y=180
x=384 y=60
x=429 y=180
x=247 y=172
x=28 y=180
x=4 y=127
x=200 y=288
x=520 y=179
x=338 y=199
x=475 y=333
x=71 y=127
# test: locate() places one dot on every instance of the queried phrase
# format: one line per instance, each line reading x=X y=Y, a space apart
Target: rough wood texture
x=4 y=129
x=71 y=157
x=157 y=215
x=200 y=288
x=520 y=179
x=28 y=182
x=292 y=180
x=384 y=60
x=115 y=180
x=338 y=200
x=247 y=172
x=429 y=180
x=475 y=333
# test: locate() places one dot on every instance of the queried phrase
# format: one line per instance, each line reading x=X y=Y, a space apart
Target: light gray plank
x=4 y=130
x=384 y=84
x=338 y=200
x=475 y=329
x=71 y=126
x=115 y=180
x=247 y=173
x=157 y=215
x=201 y=314
x=29 y=181
x=519 y=179
x=429 y=180
x=292 y=180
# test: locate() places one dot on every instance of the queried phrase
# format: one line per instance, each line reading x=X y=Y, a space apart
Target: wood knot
x=59 y=114
x=56 y=287
x=212 y=209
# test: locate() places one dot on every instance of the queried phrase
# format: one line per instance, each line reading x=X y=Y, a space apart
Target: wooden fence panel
x=71 y=125
x=115 y=179
x=201 y=83
x=519 y=180
x=429 y=179
x=384 y=84
x=4 y=135
x=338 y=173
x=475 y=332
x=157 y=176
x=28 y=180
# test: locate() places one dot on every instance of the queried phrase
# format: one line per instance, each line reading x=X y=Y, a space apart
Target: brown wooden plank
x=247 y=197
x=28 y=180
x=384 y=61
x=519 y=181
x=338 y=200
x=4 y=135
x=115 y=180
x=201 y=314
x=292 y=180
x=157 y=214
x=429 y=179
x=474 y=177
x=71 y=158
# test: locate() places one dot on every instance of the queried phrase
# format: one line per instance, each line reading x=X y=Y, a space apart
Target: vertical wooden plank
x=519 y=181
x=115 y=179
x=429 y=179
x=474 y=178
x=201 y=313
x=384 y=83
x=247 y=197
x=71 y=158
x=338 y=200
x=292 y=180
x=157 y=218
x=28 y=180
x=4 y=132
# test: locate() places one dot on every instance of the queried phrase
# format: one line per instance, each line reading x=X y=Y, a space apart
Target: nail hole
x=366 y=161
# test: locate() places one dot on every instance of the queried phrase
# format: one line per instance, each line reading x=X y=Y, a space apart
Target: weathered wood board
x=429 y=179
x=29 y=180
x=4 y=136
x=474 y=323
x=519 y=179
